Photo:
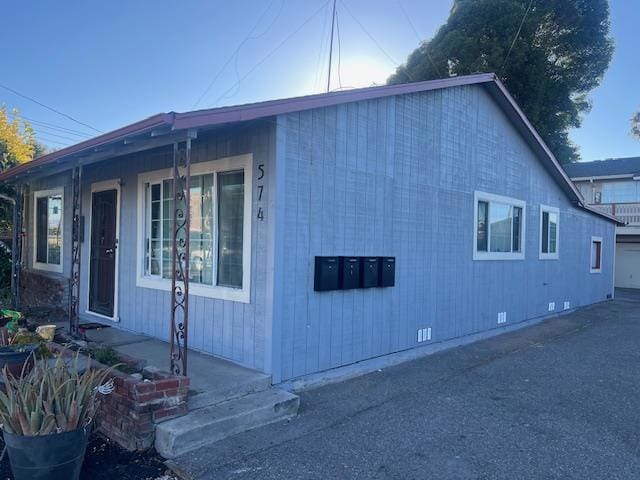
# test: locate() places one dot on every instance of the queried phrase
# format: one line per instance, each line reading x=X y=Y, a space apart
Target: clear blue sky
x=114 y=62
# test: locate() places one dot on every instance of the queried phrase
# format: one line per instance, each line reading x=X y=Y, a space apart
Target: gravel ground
x=559 y=400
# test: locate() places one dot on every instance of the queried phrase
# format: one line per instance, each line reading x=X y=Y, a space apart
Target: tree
x=549 y=61
x=635 y=125
x=17 y=140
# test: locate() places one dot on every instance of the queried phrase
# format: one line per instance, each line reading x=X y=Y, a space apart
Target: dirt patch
x=105 y=460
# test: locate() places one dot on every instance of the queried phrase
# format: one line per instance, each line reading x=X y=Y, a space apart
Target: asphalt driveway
x=557 y=400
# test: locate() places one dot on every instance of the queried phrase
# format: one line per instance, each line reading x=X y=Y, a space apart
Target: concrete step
x=216 y=422
x=228 y=389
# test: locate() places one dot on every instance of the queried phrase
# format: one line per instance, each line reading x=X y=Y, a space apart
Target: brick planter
x=129 y=414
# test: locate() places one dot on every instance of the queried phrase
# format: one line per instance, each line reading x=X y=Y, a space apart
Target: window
x=220 y=233
x=549 y=225
x=596 y=254
x=499 y=227
x=49 y=225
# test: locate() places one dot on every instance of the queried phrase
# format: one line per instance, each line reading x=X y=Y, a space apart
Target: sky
x=110 y=63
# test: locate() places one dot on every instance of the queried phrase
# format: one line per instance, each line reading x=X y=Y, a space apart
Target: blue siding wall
x=396 y=176
x=229 y=329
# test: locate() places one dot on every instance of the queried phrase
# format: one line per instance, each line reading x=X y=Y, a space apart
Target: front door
x=102 y=274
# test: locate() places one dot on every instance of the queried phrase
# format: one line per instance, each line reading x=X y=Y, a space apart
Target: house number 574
x=260 y=188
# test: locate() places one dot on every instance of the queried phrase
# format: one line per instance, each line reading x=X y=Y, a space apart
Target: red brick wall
x=129 y=414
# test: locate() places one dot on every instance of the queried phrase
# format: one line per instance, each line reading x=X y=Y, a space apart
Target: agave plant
x=54 y=397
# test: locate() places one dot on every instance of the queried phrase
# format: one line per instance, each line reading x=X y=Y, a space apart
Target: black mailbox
x=327 y=274
x=369 y=274
x=349 y=272
x=387 y=272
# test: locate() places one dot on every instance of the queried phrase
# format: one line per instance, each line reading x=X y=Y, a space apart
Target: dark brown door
x=102 y=275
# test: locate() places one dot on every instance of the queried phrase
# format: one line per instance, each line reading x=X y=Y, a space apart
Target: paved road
x=557 y=400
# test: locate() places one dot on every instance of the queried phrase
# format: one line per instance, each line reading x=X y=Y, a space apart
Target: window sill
x=595 y=270
x=45 y=267
x=549 y=256
x=198 y=290
x=497 y=256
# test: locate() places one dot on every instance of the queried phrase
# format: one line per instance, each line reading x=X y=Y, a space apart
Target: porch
x=212 y=380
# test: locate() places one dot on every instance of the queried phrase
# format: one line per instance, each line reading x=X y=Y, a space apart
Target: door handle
x=108 y=251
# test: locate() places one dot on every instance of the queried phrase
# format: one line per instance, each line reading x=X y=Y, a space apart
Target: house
x=324 y=230
x=612 y=186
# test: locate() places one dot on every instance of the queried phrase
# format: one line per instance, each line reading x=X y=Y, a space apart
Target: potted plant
x=47 y=415
x=13 y=354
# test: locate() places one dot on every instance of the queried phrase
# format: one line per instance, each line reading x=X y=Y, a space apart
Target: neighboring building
x=613 y=186
x=446 y=179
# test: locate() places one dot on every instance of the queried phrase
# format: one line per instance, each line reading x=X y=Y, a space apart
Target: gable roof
x=628 y=167
x=172 y=122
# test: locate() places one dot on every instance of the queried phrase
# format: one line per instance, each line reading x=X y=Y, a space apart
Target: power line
x=48 y=140
x=391 y=59
x=51 y=126
x=235 y=52
x=319 y=63
x=415 y=30
x=333 y=24
x=339 y=51
x=75 y=140
x=517 y=35
x=274 y=50
x=31 y=99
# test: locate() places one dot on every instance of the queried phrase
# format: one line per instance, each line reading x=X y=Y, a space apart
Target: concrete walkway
x=557 y=400
x=212 y=379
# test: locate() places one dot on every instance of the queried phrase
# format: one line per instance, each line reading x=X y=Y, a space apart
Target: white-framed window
x=499 y=227
x=549 y=232
x=48 y=222
x=596 y=254
x=220 y=233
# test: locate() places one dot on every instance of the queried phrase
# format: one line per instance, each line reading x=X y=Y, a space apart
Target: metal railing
x=629 y=213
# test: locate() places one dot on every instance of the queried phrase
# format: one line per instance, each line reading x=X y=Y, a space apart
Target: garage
x=628 y=265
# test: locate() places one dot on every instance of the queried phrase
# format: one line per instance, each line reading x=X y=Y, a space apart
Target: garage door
x=628 y=265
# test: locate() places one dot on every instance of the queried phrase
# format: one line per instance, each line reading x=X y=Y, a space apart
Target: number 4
x=260 y=214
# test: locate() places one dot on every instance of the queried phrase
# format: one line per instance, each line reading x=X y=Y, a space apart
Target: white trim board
x=556 y=254
x=490 y=197
x=101 y=187
x=239 y=162
x=596 y=239
x=39 y=265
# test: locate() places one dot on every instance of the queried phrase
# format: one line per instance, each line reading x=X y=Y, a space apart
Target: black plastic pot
x=14 y=357
x=58 y=456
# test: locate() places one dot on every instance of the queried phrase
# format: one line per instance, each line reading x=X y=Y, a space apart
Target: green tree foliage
x=560 y=54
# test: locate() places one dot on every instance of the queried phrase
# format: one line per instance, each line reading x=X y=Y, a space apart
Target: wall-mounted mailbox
x=349 y=272
x=327 y=274
x=387 y=272
x=369 y=274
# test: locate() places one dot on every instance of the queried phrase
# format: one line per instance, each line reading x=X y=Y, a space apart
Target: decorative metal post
x=181 y=256
x=74 y=275
x=16 y=250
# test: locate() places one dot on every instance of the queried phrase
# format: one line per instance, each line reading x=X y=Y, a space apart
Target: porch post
x=16 y=250
x=74 y=273
x=180 y=257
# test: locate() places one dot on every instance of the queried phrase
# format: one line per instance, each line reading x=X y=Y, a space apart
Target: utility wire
x=274 y=50
x=333 y=24
x=232 y=56
x=391 y=59
x=517 y=35
x=51 y=126
x=319 y=61
x=31 y=99
x=339 y=51
x=415 y=30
